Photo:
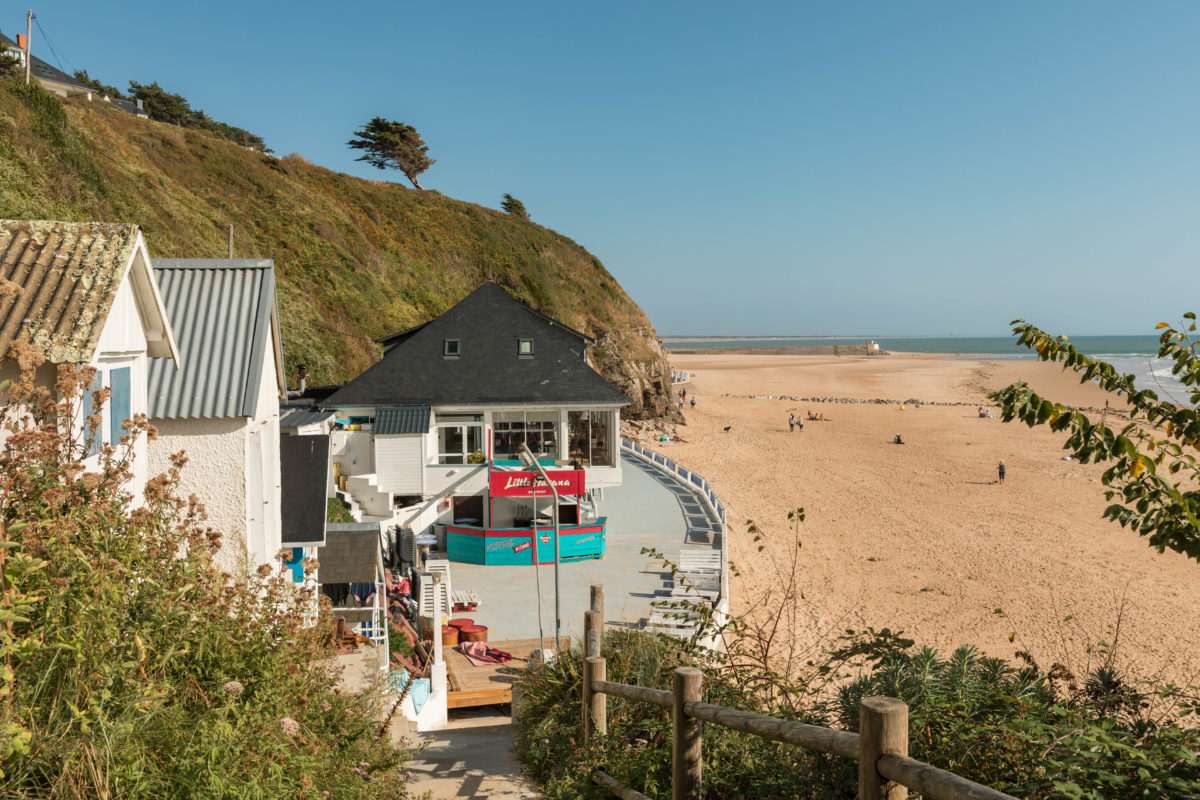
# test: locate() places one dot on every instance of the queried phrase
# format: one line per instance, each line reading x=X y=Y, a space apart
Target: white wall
x=264 y=524
x=400 y=463
x=122 y=343
x=215 y=473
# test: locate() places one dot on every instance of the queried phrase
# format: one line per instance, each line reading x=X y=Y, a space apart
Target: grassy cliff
x=356 y=259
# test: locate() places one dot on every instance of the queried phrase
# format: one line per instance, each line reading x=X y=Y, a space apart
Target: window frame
x=521 y=348
x=451 y=348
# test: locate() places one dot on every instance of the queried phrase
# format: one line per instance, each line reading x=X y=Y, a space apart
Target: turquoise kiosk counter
x=526 y=542
x=520 y=546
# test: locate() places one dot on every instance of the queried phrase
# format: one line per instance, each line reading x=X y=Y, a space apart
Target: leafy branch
x=1158 y=443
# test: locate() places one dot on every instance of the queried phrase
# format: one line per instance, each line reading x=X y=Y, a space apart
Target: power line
x=53 y=51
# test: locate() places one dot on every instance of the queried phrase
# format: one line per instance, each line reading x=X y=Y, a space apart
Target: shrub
x=132 y=667
x=1026 y=731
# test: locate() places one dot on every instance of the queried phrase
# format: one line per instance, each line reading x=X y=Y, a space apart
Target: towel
x=479 y=654
x=419 y=691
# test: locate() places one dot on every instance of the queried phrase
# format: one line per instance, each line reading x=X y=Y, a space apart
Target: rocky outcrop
x=635 y=362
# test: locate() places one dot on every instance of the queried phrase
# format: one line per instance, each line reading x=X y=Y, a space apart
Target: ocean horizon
x=1128 y=354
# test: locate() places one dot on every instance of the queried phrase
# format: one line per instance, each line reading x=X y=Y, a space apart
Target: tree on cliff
x=387 y=144
x=82 y=76
x=10 y=65
x=515 y=207
x=1159 y=441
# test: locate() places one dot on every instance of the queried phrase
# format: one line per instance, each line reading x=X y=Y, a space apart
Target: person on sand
x=693 y=401
x=897 y=440
x=1001 y=470
x=791 y=423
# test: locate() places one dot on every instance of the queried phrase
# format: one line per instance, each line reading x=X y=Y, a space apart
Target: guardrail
x=881 y=746
x=706 y=491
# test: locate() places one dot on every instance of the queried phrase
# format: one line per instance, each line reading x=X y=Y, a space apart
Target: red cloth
x=404 y=587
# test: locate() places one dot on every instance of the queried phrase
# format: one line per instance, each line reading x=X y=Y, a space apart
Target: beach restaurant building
x=431 y=436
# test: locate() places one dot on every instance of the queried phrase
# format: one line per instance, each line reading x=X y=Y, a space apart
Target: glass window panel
x=601 y=439
x=578 y=436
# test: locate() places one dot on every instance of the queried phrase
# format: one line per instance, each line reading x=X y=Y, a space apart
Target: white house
x=431 y=434
x=222 y=406
x=88 y=296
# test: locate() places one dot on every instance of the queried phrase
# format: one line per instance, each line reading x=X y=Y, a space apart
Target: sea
x=1128 y=354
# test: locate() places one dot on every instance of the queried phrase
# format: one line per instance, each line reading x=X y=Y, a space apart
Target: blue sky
x=748 y=169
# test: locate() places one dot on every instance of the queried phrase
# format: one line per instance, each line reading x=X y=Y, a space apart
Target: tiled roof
x=296 y=417
x=406 y=419
x=487 y=370
x=303 y=475
x=69 y=273
x=350 y=553
x=223 y=312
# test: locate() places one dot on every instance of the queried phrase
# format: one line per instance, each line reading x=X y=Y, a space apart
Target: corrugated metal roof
x=405 y=419
x=68 y=273
x=222 y=311
x=303 y=416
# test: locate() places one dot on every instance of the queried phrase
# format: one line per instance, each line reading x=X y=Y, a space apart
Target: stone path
x=472 y=758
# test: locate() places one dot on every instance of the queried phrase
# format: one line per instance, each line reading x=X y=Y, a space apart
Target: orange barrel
x=449 y=636
x=461 y=622
x=474 y=633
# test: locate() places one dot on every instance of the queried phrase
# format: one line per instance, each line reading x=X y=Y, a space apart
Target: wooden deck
x=472 y=686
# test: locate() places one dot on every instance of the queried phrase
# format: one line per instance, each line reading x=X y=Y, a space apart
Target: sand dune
x=922 y=537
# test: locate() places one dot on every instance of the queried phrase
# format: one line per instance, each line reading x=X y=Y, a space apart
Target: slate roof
x=223 y=311
x=487 y=324
x=40 y=69
x=408 y=419
x=294 y=418
x=350 y=553
x=69 y=274
x=303 y=477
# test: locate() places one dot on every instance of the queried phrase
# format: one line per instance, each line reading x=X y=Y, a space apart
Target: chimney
x=22 y=42
x=139 y=105
x=302 y=372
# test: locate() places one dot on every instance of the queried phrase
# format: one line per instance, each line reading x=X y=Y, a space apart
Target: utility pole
x=28 y=37
x=231 y=240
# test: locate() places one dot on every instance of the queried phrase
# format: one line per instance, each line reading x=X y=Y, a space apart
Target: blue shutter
x=98 y=434
x=118 y=404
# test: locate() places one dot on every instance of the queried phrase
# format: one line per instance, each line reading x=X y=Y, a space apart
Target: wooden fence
x=881 y=745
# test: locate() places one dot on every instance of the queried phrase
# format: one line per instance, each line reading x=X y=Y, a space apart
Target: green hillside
x=356 y=259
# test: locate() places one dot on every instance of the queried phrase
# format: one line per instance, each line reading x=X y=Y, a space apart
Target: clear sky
x=748 y=169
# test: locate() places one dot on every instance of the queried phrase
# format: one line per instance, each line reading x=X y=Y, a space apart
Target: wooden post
x=882 y=728
x=685 y=737
x=592 y=628
x=595 y=704
x=28 y=43
x=598 y=601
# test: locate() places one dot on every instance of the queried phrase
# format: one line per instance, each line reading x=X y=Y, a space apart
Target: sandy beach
x=922 y=537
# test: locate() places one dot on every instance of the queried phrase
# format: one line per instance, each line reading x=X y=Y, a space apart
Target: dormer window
x=525 y=348
x=450 y=348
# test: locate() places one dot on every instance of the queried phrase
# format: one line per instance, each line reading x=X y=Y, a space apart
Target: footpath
x=471 y=758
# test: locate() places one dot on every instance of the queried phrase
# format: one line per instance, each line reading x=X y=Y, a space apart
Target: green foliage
x=336 y=510
x=82 y=76
x=355 y=259
x=10 y=65
x=1150 y=451
x=131 y=666
x=1033 y=733
x=387 y=144
x=513 y=206
x=164 y=106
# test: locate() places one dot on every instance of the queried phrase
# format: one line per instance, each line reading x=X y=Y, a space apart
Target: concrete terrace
x=649 y=509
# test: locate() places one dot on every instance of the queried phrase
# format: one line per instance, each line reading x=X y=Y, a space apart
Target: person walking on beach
x=791 y=423
x=1001 y=470
x=693 y=401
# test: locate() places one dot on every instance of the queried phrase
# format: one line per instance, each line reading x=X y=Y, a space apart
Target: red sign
x=531 y=484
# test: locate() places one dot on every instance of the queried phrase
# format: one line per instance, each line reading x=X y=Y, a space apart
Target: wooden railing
x=880 y=746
